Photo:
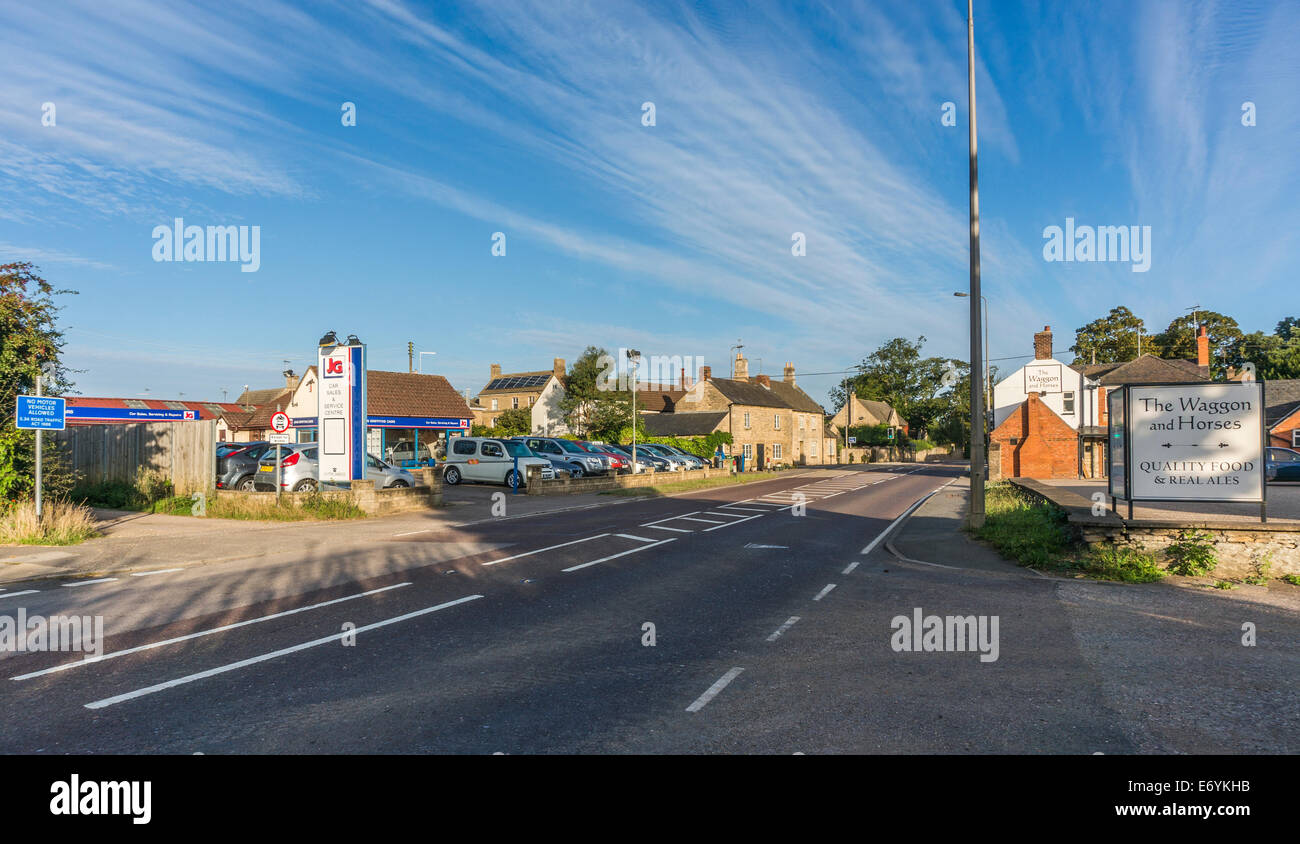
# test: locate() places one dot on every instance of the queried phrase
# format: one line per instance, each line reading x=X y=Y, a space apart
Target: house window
x=747 y=424
x=1295 y=438
x=494 y=404
x=812 y=448
x=1067 y=404
x=749 y=451
x=514 y=402
x=776 y=450
x=530 y=400
x=776 y=421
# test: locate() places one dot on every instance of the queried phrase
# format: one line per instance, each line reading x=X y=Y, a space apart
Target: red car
x=617 y=462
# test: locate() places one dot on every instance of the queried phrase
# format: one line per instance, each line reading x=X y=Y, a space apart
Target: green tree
x=896 y=374
x=513 y=422
x=29 y=340
x=1273 y=356
x=1110 y=339
x=1288 y=328
x=582 y=386
x=1179 y=339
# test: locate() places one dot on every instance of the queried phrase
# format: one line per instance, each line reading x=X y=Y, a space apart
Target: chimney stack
x=1043 y=344
x=1203 y=350
x=558 y=368
x=742 y=368
x=706 y=372
x=765 y=381
x=290 y=380
x=789 y=373
x=496 y=371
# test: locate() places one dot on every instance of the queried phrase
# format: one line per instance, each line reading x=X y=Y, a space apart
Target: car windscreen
x=518 y=449
x=571 y=447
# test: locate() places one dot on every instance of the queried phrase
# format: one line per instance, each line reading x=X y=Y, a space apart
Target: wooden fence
x=184 y=452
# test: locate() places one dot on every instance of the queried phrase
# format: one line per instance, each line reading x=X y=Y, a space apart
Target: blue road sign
x=44 y=413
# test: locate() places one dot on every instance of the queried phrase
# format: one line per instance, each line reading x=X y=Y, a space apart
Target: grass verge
x=61 y=523
x=313 y=506
x=1035 y=534
x=695 y=483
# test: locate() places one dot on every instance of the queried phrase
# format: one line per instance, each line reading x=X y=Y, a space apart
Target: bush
x=143 y=493
x=61 y=523
x=1193 y=554
x=1121 y=563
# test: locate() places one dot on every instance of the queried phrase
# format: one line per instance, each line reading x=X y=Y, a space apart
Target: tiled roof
x=257 y=398
x=747 y=393
x=203 y=409
x=689 y=424
x=1281 y=399
x=795 y=398
x=412 y=394
x=1147 y=369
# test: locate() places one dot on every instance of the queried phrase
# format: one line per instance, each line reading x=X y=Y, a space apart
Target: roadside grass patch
x=1193 y=554
x=143 y=493
x=63 y=522
x=694 y=483
x=1030 y=532
x=1118 y=563
x=1293 y=579
x=313 y=506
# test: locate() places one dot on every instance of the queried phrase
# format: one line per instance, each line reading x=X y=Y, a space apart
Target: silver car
x=300 y=470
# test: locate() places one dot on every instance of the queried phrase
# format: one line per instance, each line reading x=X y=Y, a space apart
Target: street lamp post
x=977 y=376
x=634 y=358
x=988 y=386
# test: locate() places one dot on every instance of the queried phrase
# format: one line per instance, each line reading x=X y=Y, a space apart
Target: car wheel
x=575 y=472
x=398 y=485
x=305 y=485
x=511 y=479
x=246 y=484
x=451 y=475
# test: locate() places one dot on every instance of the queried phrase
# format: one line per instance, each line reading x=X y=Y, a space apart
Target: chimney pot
x=789 y=373
x=1203 y=350
x=742 y=368
x=706 y=373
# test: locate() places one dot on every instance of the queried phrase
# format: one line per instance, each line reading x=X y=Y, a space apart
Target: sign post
x=279 y=424
x=341 y=412
x=1189 y=442
x=40 y=413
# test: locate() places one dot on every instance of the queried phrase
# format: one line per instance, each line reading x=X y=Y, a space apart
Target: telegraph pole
x=976 y=370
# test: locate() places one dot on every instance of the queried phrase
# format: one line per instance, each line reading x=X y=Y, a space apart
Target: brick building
x=538 y=392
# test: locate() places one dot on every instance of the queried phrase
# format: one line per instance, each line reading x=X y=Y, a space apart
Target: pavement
x=1283 y=504
x=754 y=619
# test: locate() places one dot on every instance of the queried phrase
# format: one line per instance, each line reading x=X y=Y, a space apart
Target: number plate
x=266 y=468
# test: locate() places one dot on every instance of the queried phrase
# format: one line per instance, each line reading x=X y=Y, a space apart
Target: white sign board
x=1043 y=378
x=340 y=415
x=1196 y=442
x=279 y=439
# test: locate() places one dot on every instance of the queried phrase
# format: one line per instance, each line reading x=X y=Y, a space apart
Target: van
x=492 y=461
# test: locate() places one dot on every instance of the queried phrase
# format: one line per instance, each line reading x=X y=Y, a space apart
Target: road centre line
x=713 y=690
x=88 y=582
x=824 y=592
x=851 y=567
x=16 y=594
x=93 y=659
x=548 y=548
x=637 y=538
x=784 y=627
x=212 y=672
x=616 y=556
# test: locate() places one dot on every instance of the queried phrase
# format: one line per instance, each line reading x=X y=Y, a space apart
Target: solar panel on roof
x=514 y=382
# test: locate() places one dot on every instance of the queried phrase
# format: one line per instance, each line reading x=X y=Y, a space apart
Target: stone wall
x=576 y=486
x=425 y=494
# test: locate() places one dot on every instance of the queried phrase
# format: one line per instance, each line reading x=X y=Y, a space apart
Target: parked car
x=1281 y=464
x=581 y=461
x=299 y=468
x=237 y=464
x=491 y=460
x=676 y=462
x=646 y=461
x=403 y=453
x=387 y=476
x=618 y=462
x=695 y=461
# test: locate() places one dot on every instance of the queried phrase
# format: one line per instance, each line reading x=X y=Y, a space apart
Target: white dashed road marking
x=783 y=628
x=824 y=592
x=713 y=690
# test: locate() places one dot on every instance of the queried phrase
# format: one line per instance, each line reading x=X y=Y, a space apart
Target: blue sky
x=525 y=118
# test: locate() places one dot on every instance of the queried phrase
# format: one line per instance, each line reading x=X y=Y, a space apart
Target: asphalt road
x=771 y=634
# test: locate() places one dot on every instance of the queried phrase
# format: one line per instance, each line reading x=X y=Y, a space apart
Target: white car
x=491 y=461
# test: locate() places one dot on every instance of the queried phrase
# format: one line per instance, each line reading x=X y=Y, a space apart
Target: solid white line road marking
x=706 y=521
x=414 y=532
x=88 y=582
x=156 y=571
x=872 y=545
x=754 y=545
x=16 y=594
x=212 y=672
x=674 y=530
x=783 y=628
x=637 y=538
x=726 y=515
x=824 y=592
x=714 y=689
x=736 y=522
x=548 y=548
x=92 y=659
x=851 y=567
x=669 y=519
x=616 y=556
x=746 y=509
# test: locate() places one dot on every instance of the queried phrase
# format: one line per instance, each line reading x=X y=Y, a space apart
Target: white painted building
x=1062 y=388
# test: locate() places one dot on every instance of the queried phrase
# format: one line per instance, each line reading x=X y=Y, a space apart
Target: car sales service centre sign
x=1196 y=442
